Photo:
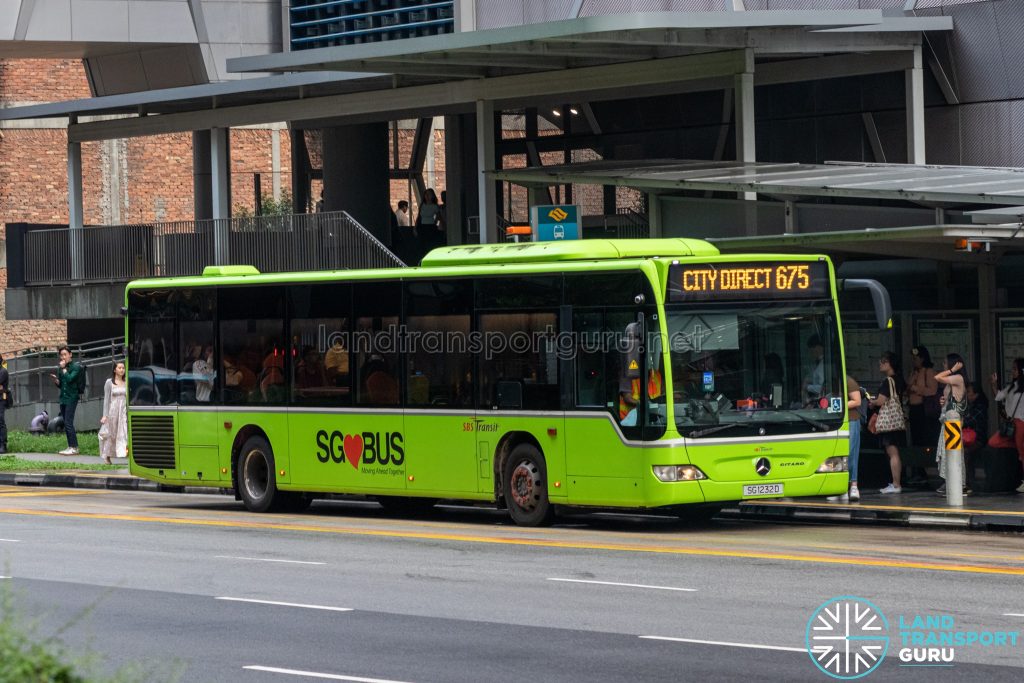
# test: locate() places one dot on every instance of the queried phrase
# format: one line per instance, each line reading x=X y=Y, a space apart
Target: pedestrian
x=70 y=378
x=114 y=443
x=5 y=402
x=404 y=240
x=976 y=417
x=39 y=423
x=853 y=409
x=888 y=422
x=954 y=407
x=426 y=229
x=402 y=215
x=923 y=401
x=1012 y=398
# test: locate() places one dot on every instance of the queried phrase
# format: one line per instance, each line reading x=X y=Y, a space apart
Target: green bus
x=650 y=374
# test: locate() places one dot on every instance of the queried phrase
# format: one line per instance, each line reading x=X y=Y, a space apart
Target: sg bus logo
x=370 y=448
x=847 y=637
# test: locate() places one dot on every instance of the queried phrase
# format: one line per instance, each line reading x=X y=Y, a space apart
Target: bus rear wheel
x=525 y=487
x=255 y=475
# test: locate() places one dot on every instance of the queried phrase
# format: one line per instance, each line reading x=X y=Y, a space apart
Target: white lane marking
x=287 y=604
x=314 y=674
x=4 y=577
x=264 y=559
x=1013 y=614
x=9 y=540
x=727 y=644
x=627 y=585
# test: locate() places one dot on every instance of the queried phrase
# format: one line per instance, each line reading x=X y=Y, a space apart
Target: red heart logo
x=353 y=449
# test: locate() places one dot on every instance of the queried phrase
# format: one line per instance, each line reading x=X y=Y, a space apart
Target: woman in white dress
x=115 y=416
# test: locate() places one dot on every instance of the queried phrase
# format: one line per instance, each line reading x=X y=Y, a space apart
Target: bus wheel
x=526 y=488
x=256 y=481
x=401 y=505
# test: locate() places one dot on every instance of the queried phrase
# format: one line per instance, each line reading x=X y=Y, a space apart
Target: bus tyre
x=525 y=485
x=256 y=481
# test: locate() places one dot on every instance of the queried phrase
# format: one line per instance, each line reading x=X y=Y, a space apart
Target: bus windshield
x=774 y=368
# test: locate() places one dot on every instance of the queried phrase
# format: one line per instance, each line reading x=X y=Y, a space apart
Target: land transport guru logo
x=847 y=637
x=376 y=451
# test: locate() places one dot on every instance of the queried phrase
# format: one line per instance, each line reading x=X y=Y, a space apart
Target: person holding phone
x=69 y=379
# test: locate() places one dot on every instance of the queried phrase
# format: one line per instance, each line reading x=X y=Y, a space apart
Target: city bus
x=654 y=374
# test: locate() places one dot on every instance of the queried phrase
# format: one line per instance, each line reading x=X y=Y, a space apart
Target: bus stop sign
x=555 y=222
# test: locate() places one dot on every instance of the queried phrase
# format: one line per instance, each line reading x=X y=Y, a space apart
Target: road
x=193 y=585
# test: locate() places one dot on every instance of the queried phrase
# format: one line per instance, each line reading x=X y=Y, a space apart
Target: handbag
x=104 y=432
x=969 y=436
x=890 y=415
x=1007 y=427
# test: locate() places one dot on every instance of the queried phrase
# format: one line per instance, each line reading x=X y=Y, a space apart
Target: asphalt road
x=193 y=586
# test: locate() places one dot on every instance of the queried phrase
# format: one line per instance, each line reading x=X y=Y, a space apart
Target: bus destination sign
x=748 y=281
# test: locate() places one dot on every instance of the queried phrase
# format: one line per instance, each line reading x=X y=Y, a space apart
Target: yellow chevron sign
x=953 y=435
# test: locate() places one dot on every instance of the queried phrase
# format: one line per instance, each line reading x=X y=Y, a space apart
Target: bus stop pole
x=953 y=435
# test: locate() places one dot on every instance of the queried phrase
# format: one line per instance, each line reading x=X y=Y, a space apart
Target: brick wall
x=124 y=181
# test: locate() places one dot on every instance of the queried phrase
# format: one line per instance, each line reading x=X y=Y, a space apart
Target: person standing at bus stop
x=953 y=408
x=888 y=423
x=5 y=389
x=1012 y=398
x=69 y=379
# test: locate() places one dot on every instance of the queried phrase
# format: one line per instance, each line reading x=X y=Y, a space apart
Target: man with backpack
x=71 y=380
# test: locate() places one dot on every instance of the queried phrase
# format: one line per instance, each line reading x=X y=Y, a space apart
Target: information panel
x=943 y=337
x=748 y=281
x=1011 y=346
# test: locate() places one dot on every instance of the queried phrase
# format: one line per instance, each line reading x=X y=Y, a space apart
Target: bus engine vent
x=153 y=441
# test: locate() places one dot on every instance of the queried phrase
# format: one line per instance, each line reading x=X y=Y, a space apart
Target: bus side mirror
x=879 y=297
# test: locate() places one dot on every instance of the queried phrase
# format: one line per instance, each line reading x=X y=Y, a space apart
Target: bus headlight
x=678 y=473
x=836 y=464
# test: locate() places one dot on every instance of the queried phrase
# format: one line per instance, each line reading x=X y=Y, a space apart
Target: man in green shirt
x=69 y=379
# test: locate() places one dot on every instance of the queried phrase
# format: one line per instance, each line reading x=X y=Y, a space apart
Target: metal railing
x=118 y=253
x=628 y=224
x=30 y=370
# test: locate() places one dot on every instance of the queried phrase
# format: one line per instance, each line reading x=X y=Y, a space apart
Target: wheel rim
x=525 y=484
x=257 y=474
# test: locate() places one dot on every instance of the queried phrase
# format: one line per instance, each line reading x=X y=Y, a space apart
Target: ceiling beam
x=590 y=83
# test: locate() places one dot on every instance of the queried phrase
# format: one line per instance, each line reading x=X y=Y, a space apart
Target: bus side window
x=439 y=364
x=320 y=344
x=376 y=307
x=253 y=350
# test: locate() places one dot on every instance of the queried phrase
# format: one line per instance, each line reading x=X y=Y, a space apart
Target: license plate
x=754 y=490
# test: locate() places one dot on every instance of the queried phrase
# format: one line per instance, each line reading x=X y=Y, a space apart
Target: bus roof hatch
x=569 y=250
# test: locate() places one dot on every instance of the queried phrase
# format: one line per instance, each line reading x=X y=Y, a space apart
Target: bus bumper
x=709 y=491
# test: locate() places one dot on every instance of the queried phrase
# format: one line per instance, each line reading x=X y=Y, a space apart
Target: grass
x=9 y=463
x=23 y=442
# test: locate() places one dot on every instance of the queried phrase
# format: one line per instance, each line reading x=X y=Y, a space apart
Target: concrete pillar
x=356 y=175
x=654 y=215
x=275 y=160
x=202 y=178
x=454 y=178
x=76 y=216
x=915 y=110
x=300 y=171
x=746 y=151
x=220 y=183
x=485 y=162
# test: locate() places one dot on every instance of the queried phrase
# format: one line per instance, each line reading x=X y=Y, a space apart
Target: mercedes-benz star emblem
x=763 y=466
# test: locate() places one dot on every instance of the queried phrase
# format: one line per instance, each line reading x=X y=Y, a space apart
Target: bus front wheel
x=256 y=481
x=526 y=488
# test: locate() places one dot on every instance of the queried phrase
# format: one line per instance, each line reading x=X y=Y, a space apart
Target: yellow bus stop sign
x=953 y=434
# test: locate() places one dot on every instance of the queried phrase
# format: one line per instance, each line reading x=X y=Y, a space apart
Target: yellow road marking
x=536 y=542
x=50 y=492
x=898 y=508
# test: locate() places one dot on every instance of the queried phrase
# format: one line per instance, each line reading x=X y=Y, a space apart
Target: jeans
x=854 y=449
x=67 y=413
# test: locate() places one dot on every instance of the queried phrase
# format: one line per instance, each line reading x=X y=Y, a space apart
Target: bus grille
x=153 y=441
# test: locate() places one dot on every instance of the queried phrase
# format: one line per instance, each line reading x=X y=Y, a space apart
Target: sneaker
x=941 y=490
x=854 y=493
x=967 y=491
x=844 y=498
x=1020 y=489
x=67 y=451
x=891 y=489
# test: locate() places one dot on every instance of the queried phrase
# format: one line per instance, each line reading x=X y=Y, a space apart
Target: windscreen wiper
x=707 y=431
x=810 y=420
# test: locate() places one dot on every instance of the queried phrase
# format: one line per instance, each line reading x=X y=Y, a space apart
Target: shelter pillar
x=76 y=220
x=485 y=162
x=746 y=151
x=915 y=110
x=202 y=176
x=654 y=214
x=357 y=177
x=220 y=176
x=987 y=330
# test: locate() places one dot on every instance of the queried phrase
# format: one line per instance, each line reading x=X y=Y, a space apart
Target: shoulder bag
x=1007 y=428
x=890 y=415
